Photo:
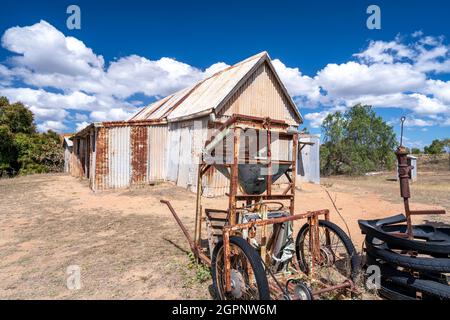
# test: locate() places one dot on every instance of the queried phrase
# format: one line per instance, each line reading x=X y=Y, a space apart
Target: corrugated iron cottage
x=163 y=140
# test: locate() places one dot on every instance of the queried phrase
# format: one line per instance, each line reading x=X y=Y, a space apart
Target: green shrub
x=22 y=149
x=356 y=142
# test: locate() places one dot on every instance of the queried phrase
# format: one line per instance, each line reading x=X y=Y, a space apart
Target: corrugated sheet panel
x=119 y=157
x=67 y=155
x=92 y=168
x=185 y=142
x=308 y=165
x=173 y=152
x=76 y=164
x=139 y=154
x=215 y=184
x=185 y=164
x=261 y=96
x=157 y=140
x=101 y=160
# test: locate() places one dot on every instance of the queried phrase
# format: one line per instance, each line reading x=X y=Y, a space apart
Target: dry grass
x=123 y=253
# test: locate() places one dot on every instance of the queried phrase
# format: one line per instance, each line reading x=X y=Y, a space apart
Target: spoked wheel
x=248 y=278
x=337 y=258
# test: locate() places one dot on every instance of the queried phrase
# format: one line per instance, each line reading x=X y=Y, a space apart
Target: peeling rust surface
x=101 y=168
x=139 y=154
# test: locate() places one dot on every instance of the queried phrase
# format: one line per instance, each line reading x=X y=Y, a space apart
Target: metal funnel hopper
x=252 y=177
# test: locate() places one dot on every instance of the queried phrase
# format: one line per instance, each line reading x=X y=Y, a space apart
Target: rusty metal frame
x=236 y=124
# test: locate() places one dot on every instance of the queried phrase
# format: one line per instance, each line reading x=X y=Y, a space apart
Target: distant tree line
x=437 y=146
x=358 y=141
x=22 y=149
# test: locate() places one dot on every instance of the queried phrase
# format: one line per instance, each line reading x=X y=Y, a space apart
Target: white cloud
x=49 y=114
x=161 y=77
x=352 y=79
x=427 y=105
x=61 y=76
x=81 y=125
x=214 y=68
x=57 y=126
x=44 y=49
x=80 y=117
x=46 y=58
x=111 y=115
x=385 y=74
x=387 y=52
x=316 y=118
x=5 y=75
x=439 y=89
x=39 y=98
x=296 y=83
x=417 y=122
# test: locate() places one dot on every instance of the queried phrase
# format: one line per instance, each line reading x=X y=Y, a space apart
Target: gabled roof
x=209 y=94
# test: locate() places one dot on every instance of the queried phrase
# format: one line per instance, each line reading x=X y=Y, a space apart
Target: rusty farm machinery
x=250 y=245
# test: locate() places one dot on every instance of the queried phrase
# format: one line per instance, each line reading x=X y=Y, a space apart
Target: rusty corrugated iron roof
x=208 y=94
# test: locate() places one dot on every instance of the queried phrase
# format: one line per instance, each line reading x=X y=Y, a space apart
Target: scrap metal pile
x=414 y=260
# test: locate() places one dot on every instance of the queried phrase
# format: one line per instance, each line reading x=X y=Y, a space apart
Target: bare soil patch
x=126 y=242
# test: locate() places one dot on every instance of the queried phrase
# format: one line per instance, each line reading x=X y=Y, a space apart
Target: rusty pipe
x=344 y=285
x=183 y=228
x=230 y=228
x=194 y=248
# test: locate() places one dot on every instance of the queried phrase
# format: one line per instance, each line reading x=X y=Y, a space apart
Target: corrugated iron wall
x=157 y=141
x=185 y=141
x=260 y=96
x=119 y=157
x=128 y=155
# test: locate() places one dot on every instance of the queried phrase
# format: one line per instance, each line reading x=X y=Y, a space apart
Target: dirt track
x=125 y=242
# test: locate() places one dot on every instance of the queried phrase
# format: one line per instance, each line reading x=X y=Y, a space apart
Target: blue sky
x=129 y=53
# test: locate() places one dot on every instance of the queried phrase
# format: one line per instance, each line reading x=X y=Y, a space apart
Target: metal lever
x=402 y=119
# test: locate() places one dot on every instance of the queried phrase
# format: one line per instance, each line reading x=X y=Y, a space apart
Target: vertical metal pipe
x=294 y=171
x=403 y=177
x=234 y=175
x=198 y=211
x=269 y=165
x=226 y=259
